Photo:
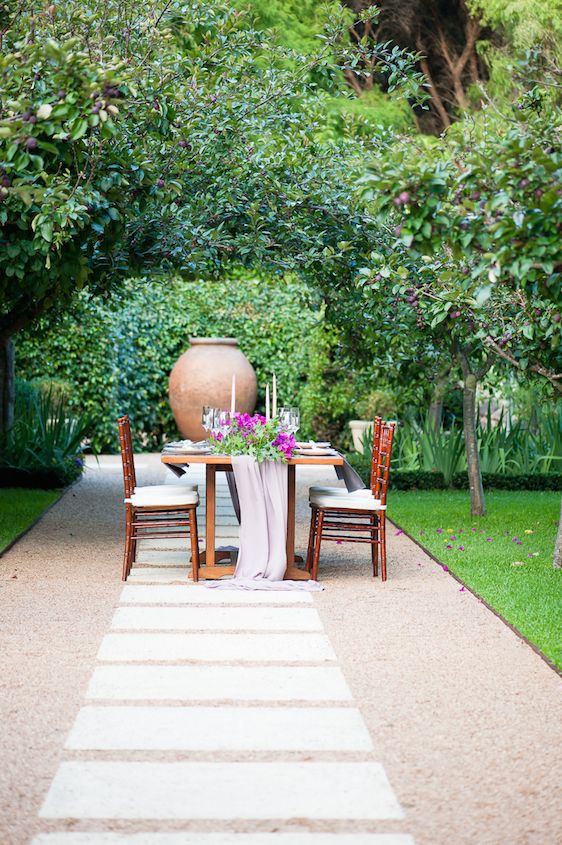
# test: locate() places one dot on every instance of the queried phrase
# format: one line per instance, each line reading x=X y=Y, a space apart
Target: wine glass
x=207 y=418
x=294 y=420
x=223 y=422
x=285 y=419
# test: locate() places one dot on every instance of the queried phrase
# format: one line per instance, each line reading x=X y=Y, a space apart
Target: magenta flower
x=489 y=540
x=445 y=568
x=448 y=547
x=439 y=530
x=461 y=548
x=453 y=537
x=462 y=590
x=473 y=529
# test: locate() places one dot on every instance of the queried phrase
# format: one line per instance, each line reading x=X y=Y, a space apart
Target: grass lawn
x=505 y=556
x=19 y=508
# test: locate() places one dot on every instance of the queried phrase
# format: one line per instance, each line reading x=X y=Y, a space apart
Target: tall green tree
x=169 y=136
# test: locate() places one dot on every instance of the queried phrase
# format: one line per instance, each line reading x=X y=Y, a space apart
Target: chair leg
x=311 y=537
x=382 y=539
x=194 y=545
x=129 y=548
x=374 y=545
x=316 y=556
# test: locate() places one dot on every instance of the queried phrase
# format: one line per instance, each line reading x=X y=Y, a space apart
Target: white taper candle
x=267 y=402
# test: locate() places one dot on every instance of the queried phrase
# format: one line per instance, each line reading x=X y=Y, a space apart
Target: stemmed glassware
x=207 y=418
x=289 y=419
x=215 y=420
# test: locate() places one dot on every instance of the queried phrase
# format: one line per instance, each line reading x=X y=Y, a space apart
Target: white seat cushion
x=163 y=489
x=366 y=502
x=337 y=491
x=152 y=497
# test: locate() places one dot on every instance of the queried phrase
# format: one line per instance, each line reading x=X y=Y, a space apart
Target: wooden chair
x=358 y=517
x=155 y=512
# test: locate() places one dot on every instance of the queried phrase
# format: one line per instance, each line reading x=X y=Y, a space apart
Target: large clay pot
x=203 y=376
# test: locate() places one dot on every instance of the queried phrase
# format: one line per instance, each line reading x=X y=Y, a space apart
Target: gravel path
x=463 y=717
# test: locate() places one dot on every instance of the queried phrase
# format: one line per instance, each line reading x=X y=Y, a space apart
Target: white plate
x=304 y=453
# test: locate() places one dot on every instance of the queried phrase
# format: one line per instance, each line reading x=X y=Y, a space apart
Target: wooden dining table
x=210 y=565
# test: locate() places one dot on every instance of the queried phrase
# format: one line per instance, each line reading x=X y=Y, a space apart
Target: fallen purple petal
x=445 y=568
x=461 y=548
x=398 y=533
x=462 y=590
x=448 y=547
x=439 y=530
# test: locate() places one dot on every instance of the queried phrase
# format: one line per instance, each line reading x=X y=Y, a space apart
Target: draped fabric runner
x=262 y=559
x=345 y=473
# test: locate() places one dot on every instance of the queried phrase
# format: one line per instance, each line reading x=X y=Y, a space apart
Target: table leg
x=293 y=573
x=211 y=479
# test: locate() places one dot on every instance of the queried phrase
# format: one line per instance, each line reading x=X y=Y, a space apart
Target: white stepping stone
x=170 y=556
x=258 y=648
x=144 y=790
x=177 y=543
x=217 y=619
x=218 y=683
x=159 y=574
x=223 y=839
x=199 y=594
x=219 y=729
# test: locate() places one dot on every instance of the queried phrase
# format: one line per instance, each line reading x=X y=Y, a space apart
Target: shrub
x=117 y=354
x=44 y=448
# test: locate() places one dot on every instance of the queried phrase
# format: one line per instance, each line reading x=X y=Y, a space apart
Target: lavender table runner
x=262 y=559
x=345 y=473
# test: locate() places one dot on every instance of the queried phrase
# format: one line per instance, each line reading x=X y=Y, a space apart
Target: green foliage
x=510 y=448
x=512 y=570
x=117 y=354
x=423 y=479
x=45 y=445
x=19 y=509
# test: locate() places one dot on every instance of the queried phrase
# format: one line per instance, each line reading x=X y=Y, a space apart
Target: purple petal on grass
x=489 y=540
x=515 y=539
x=452 y=537
x=530 y=554
x=461 y=548
x=398 y=533
x=519 y=543
x=473 y=529
x=448 y=547
x=445 y=568
x=439 y=530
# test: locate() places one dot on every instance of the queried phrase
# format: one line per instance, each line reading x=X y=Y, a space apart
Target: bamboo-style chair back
x=375 y=449
x=380 y=469
x=127 y=457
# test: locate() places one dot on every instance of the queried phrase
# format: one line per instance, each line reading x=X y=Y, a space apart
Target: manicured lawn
x=19 y=508
x=505 y=556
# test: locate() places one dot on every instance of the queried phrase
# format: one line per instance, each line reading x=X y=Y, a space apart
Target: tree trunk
x=477 y=506
x=7 y=383
x=558 y=546
x=435 y=412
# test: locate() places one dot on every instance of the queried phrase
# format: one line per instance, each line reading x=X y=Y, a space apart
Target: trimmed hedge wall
x=116 y=355
x=421 y=480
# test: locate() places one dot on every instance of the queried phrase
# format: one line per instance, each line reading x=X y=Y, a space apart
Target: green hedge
x=116 y=355
x=423 y=480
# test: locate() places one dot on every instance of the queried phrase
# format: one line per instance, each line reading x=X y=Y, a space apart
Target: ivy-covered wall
x=116 y=355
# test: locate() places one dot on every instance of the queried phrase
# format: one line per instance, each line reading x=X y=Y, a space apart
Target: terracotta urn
x=203 y=376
